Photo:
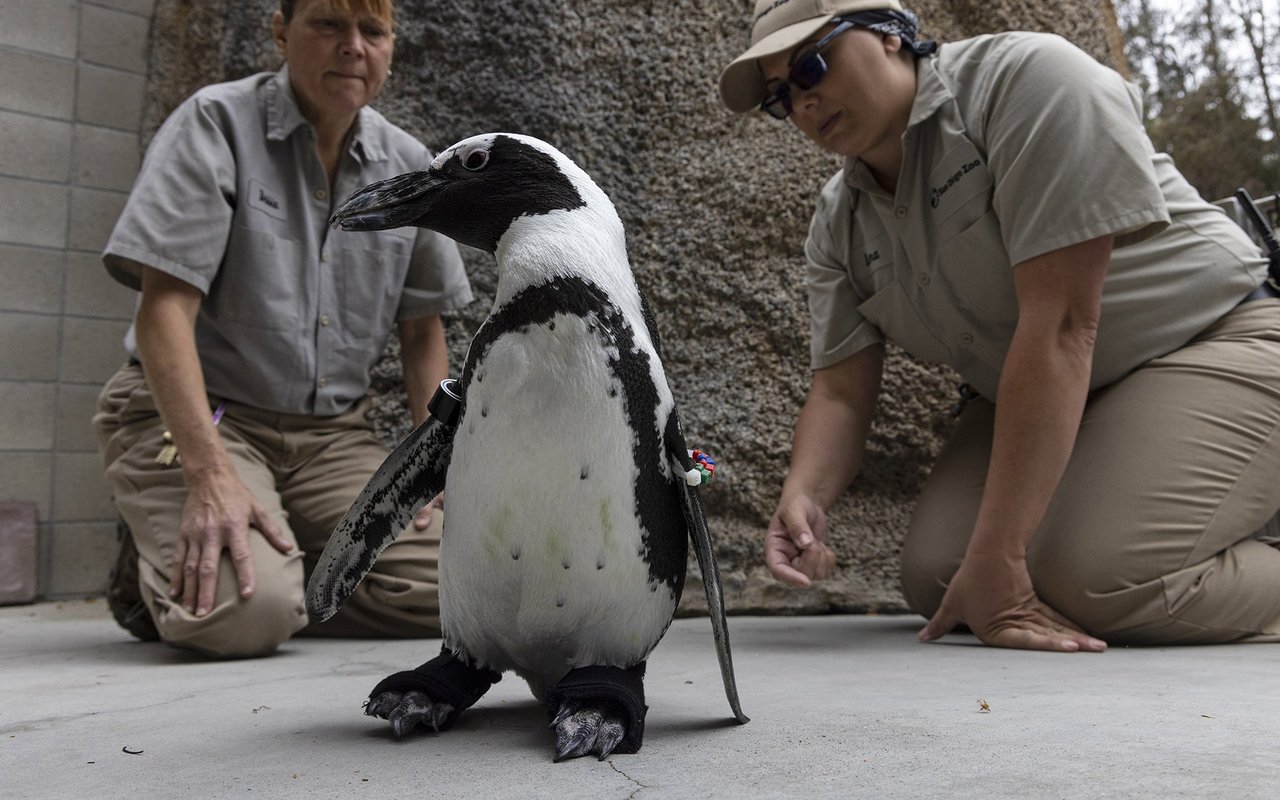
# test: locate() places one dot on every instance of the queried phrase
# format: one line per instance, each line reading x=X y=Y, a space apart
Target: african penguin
x=571 y=497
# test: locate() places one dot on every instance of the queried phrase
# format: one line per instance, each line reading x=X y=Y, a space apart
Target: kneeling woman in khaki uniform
x=1001 y=210
x=253 y=342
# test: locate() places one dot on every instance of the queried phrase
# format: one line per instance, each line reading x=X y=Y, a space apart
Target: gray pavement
x=841 y=706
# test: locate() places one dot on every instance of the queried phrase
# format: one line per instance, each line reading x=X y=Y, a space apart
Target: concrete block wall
x=71 y=104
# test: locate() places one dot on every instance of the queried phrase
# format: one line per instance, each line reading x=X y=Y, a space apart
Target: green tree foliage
x=1206 y=68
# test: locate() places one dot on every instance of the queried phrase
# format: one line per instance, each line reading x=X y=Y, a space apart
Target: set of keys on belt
x=168 y=454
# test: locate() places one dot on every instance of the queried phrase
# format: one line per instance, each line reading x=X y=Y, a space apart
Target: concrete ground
x=841 y=706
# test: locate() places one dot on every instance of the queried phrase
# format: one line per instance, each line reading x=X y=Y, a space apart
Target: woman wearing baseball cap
x=1001 y=210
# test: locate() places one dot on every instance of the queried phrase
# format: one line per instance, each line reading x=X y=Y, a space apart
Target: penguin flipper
x=705 y=551
x=411 y=476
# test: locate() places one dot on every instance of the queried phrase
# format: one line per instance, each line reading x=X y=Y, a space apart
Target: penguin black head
x=471 y=192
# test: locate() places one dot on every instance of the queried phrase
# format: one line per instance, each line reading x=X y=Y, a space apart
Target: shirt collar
x=284 y=117
x=857 y=175
x=931 y=91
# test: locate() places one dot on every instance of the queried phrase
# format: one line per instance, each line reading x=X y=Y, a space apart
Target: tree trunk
x=1258 y=44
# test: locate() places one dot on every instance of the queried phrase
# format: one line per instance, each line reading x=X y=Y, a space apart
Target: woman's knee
x=242 y=627
x=1087 y=589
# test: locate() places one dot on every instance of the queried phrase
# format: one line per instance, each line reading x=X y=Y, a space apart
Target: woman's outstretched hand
x=795 y=548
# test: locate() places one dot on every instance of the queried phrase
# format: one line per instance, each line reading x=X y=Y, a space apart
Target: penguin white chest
x=542 y=563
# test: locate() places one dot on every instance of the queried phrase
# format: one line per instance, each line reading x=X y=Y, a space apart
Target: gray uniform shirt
x=232 y=199
x=1018 y=144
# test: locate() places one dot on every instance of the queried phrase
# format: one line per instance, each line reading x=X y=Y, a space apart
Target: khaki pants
x=1149 y=538
x=305 y=471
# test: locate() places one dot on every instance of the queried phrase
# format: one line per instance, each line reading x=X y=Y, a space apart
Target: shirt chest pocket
x=890 y=310
x=960 y=190
x=973 y=270
x=969 y=256
x=260 y=283
x=370 y=277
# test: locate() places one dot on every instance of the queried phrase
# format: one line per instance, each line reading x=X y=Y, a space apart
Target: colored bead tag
x=704 y=465
x=168 y=454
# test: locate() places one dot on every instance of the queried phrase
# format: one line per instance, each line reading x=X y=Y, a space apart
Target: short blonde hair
x=379 y=8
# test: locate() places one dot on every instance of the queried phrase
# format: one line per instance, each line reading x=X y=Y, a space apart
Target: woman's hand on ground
x=994 y=597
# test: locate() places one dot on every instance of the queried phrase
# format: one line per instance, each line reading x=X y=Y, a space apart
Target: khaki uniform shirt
x=232 y=199
x=1018 y=144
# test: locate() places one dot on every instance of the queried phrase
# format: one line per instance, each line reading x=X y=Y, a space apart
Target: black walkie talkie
x=1265 y=233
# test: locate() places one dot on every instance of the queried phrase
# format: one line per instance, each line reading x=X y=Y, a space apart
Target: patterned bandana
x=902 y=24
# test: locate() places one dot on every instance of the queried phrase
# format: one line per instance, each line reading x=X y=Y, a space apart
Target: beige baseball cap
x=778 y=25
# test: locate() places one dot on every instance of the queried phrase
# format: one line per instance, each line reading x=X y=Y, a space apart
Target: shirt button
x=321 y=194
x=324 y=320
x=324 y=255
x=323 y=382
x=900 y=212
x=923 y=278
x=966 y=338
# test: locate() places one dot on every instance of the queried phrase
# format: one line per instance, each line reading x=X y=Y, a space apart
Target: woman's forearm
x=831 y=432
x=1038 y=409
x=1044 y=384
x=424 y=357
x=166 y=345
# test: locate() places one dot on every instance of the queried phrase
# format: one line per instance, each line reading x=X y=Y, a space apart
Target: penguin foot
x=592 y=727
x=598 y=709
x=409 y=710
x=433 y=695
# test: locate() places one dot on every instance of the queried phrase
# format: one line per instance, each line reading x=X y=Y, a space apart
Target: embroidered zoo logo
x=936 y=193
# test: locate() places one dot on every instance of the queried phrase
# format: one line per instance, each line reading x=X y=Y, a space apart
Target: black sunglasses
x=807 y=72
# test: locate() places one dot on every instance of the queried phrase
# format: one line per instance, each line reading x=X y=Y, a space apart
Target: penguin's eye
x=476 y=160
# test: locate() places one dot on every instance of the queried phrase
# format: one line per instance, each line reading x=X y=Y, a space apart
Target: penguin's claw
x=611 y=732
x=588 y=729
x=439 y=713
x=565 y=710
x=382 y=705
x=408 y=711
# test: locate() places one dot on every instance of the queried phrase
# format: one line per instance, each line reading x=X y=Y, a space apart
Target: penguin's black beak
x=393 y=203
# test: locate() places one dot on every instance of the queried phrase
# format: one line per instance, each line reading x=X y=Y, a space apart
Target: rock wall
x=716 y=208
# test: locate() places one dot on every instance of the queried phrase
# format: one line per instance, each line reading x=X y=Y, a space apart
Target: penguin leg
x=598 y=710
x=435 y=694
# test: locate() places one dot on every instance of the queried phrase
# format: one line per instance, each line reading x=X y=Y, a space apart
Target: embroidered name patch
x=265 y=200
